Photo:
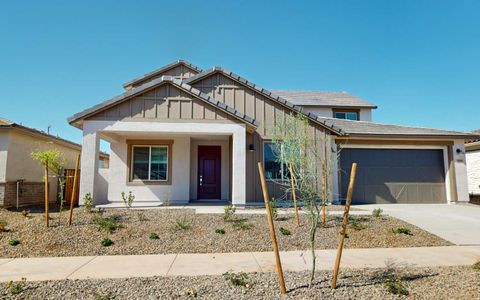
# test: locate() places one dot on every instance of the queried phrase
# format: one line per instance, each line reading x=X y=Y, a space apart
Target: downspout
x=19 y=181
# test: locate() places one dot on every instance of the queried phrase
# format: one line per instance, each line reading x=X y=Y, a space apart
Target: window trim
x=282 y=165
x=149 y=143
x=343 y=110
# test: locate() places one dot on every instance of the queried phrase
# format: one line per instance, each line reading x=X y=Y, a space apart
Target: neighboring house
x=472 y=149
x=182 y=134
x=21 y=177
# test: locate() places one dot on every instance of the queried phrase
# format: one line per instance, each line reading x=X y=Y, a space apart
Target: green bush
x=241 y=224
x=128 y=199
x=273 y=208
x=15 y=288
x=377 y=212
x=220 y=231
x=141 y=217
x=107 y=224
x=237 y=279
x=356 y=225
x=403 y=230
x=88 y=202
x=285 y=231
x=229 y=211
x=396 y=287
x=153 y=236
x=476 y=266
x=107 y=242
x=107 y=296
x=13 y=242
x=181 y=225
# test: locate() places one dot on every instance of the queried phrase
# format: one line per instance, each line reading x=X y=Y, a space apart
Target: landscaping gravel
x=199 y=235
x=421 y=283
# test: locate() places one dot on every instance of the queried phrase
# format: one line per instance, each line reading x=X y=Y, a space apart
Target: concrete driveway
x=457 y=223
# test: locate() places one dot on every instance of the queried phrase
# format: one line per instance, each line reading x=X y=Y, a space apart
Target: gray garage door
x=394 y=176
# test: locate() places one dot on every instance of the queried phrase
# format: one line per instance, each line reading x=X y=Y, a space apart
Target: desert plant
x=13 y=242
x=107 y=242
x=237 y=279
x=285 y=231
x=88 y=202
x=153 y=236
x=141 y=217
x=356 y=225
x=241 y=224
x=128 y=199
x=273 y=208
x=102 y=296
x=181 y=225
x=229 y=211
x=220 y=231
x=396 y=287
x=107 y=224
x=476 y=266
x=16 y=287
x=377 y=212
x=3 y=226
x=26 y=213
x=403 y=230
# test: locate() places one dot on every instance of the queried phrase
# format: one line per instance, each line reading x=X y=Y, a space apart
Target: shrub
x=88 y=202
x=26 y=213
x=377 y=212
x=229 y=211
x=141 y=217
x=403 y=230
x=13 y=242
x=241 y=224
x=153 y=236
x=181 y=225
x=220 y=231
x=3 y=226
x=396 y=287
x=107 y=242
x=476 y=266
x=128 y=200
x=108 y=224
x=273 y=208
x=285 y=231
x=238 y=279
x=15 y=288
x=107 y=296
x=356 y=225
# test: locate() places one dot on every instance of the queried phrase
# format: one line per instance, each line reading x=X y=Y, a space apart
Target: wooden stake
x=292 y=180
x=324 y=191
x=46 y=194
x=266 y=198
x=344 y=225
x=74 y=190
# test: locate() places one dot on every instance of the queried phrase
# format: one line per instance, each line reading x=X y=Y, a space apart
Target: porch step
x=135 y=204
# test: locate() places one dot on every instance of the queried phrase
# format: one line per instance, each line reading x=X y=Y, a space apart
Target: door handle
x=201 y=180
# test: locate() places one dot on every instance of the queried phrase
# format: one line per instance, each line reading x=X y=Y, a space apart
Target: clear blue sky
x=419 y=61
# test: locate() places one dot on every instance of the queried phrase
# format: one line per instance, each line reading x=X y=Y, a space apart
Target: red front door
x=209 y=158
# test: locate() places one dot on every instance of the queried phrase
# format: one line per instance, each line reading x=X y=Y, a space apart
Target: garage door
x=394 y=176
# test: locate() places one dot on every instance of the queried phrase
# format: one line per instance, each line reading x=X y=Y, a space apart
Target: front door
x=209 y=173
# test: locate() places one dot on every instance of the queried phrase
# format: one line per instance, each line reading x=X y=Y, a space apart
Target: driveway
x=457 y=223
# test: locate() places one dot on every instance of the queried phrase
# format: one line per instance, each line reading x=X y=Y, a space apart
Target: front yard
x=161 y=231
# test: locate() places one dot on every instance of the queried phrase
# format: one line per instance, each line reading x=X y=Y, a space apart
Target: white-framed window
x=274 y=168
x=347 y=115
x=149 y=163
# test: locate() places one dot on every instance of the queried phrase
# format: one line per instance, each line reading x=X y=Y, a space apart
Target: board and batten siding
x=164 y=103
x=179 y=72
x=268 y=113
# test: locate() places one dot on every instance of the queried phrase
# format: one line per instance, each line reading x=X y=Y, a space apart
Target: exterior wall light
x=251 y=148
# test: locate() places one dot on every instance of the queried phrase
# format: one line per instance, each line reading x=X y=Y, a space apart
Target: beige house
x=181 y=134
x=21 y=178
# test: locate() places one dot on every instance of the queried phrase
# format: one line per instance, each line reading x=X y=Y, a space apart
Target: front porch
x=165 y=164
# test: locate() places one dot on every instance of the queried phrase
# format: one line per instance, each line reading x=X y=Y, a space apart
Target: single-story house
x=472 y=149
x=21 y=177
x=182 y=134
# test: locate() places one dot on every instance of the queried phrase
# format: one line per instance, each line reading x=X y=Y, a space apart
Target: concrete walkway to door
x=457 y=223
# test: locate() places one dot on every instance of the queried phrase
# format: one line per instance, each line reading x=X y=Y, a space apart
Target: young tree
x=56 y=164
x=298 y=147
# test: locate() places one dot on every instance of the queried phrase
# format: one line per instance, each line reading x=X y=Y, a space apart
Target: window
x=348 y=115
x=150 y=163
x=274 y=169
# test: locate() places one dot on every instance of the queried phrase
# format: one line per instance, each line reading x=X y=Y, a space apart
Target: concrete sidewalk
x=120 y=266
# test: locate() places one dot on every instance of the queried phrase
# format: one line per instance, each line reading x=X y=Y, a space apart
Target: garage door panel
x=395 y=175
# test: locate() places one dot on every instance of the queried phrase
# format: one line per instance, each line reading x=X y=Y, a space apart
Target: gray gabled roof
x=313 y=117
x=154 y=83
x=160 y=70
x=327 y=99
x=363 y=128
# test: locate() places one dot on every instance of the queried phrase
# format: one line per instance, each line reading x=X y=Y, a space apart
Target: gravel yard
x=421 y=283
x=183 y=231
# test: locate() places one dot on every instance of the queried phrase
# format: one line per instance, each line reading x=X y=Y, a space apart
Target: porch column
x=239 y=157
x=89 y=165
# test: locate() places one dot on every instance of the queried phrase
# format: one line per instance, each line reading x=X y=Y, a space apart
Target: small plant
x=13 y=242
x=273 y=208
x=403 y=230
x=26 y=213
x=285 y=231
x=356 y=225
x=141 y=217
x=3 y=226
x=237 y=279
x=229 y=211
x=128 y=199
x=377 y=212
x=191 y=292
x=107 y=242
x=181 y=225
x=88 y=202
x=476 y=266
x=241 y=224
x=108 y=224
x=15 y=288
x=396 y=287
x=153 y=236
x=220 y=231
x=107 y=296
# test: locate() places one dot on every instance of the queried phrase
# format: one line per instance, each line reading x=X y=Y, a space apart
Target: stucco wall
x=473 y=171
x=4 y=140
x=178 y=191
